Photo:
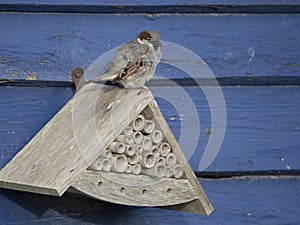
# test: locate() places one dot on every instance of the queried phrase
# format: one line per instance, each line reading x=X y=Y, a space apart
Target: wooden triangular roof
x=58 y=157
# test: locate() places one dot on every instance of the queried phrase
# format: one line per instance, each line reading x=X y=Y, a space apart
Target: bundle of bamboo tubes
x=140 y=149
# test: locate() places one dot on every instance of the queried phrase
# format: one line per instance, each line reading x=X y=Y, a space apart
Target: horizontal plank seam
x=223 y=81
x=212 y=8
x=231 y=174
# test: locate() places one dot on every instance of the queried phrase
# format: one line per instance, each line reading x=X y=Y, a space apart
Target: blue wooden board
x=236 y=201
x=48 y=46
x=153 y=6
x=263 y=123
x=153 y=2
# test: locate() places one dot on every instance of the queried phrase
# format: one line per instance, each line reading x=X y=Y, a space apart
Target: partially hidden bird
x=135 y=62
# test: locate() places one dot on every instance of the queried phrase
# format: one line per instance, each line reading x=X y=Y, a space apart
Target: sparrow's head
x=151 y=38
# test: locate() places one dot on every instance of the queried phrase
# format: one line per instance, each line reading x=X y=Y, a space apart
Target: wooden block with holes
x=112 y=144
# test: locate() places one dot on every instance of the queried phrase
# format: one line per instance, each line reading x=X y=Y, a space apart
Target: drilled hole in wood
x=144 y=191
x=100 y=183
x=122 y=190
x=169 y=191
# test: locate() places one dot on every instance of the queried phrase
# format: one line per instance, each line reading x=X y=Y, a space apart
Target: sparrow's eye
x=148 y=38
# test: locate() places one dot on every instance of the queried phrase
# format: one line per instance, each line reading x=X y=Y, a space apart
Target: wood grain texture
x=201 y=204
x=262 y=123
x=150 y=7
x=153 y=2
x=257 y=137
x=224 y=42
x=152 y=189
x=265 y=201
x=221 y=81
x=58 y=156
x=71 y=140
x=134 y=190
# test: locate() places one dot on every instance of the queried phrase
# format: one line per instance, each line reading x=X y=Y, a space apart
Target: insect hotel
x=112 y=144
x=106 y=155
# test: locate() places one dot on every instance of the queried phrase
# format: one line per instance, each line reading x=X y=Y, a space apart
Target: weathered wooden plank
x=130 y=190
x=150 y=7
x=237 y=201
x=153 y=2
x=201 y=204
x=259 y=126
x=221 y=81
x=58 y=156
x=262 y=123
x=232 y=45
x=72 y=139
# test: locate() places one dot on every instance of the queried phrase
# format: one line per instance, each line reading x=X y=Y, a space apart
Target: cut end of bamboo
x=140 y=148
x=138 y=123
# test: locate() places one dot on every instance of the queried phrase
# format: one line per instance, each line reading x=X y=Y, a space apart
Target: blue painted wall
x=48 y=46
x=257 y=137
x=248 y=41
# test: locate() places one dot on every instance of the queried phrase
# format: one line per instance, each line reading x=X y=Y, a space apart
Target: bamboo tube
x=177 y=171
x=101 y=164
x=117 y=147
x=138 y=123
x=97 y=164
x=119 y=163
x=161 y=161
x=149 y=127
x=157 y=136
x=129 y=169
x=147 y=143
x=130 y=150
x=138 y=137
x=106 y=154
x=171 y=159
x=127 y=139
x=156 y=152
x=128 y=131
x=133 y=159
x=136 y=169
x=158 y=171
x=169 y=172
x=148 y=160
x=139 y=149
x=106 y=165
x=164 y=149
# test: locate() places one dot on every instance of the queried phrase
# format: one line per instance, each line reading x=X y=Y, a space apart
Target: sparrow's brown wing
x=131 y=68
x=127 y=61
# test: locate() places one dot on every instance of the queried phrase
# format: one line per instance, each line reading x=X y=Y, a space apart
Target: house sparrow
x=135 y=62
